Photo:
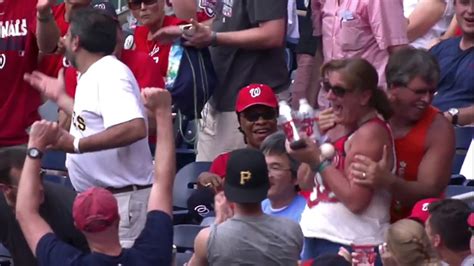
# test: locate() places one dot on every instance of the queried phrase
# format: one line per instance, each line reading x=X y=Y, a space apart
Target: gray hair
x=408 y=63
x=274 y=144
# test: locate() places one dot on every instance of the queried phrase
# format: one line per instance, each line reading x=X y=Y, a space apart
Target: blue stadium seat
x=5 y=257
x=184 y=235
x=455 y=190
x=463 y=136
x=185 y=183
x=182 y=258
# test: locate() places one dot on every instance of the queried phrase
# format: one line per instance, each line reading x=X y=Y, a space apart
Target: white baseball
x=327 y=150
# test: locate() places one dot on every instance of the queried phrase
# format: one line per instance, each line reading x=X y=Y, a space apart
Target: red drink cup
x=365 y=253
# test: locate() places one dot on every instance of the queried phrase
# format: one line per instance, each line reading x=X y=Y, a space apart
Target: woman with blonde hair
x=408 y=245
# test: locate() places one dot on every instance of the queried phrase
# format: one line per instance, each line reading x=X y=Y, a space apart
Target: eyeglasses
x=277 y=169
x=253 y=116
x=336 y=90
x=137 y=4
x=422 y=92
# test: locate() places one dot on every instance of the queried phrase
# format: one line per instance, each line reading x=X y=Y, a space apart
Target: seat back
x=184 y=235
x=5 y=257
x=182 y=258
x=463 y=136
x=185 y=182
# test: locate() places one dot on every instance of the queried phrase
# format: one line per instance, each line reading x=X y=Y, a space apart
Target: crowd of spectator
x=391 y=81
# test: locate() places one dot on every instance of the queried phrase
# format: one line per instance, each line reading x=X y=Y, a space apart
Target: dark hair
x=11 y=158
x=330 y=260
x=359 y=74
x=408 y=63
x=275 y=144
x=96 y=30
x=449 y=220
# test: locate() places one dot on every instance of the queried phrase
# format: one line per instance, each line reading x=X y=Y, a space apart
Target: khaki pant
x=133 y=211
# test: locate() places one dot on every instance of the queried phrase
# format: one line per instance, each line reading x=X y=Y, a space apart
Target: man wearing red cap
x=95 y=211
x=256 y=109
x=420 y=211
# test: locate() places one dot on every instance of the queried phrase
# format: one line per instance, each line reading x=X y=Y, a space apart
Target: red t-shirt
x=158 y=52
x=50 y=64
x=141 y=65
x=18 y=55
x=219 y=165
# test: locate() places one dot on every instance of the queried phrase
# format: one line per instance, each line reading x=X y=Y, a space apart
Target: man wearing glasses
x=55 y=208
x=424 y=139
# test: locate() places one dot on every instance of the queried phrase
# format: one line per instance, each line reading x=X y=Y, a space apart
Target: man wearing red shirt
x=50 y=64
x=23 y=31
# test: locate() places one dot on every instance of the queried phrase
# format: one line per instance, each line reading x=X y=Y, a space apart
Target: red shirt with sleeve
x=158 y=52
x=50 y=64
x=219 y=165
x=141 y=65
x=18 y=55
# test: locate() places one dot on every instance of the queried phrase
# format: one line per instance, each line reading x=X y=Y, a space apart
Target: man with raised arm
x=95 y=210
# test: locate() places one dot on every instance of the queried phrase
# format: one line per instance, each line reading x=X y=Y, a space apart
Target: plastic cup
x=364 y=253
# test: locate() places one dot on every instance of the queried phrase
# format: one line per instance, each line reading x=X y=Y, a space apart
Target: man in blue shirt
x=455 y=96
x=95 y=211
x=282 y=197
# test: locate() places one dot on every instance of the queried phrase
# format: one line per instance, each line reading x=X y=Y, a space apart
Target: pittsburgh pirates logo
x=245 y=176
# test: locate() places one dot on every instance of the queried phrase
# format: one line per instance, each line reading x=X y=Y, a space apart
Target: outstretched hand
x=156 y=99
x=52 y=88
x=367 y=172
x=201 y=35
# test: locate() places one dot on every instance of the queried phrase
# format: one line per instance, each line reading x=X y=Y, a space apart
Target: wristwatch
x=34 y=153
x=454 y=112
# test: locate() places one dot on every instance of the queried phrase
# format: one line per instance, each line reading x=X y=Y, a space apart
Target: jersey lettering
x=3 y=60
x=78 y=122
x=13 y=28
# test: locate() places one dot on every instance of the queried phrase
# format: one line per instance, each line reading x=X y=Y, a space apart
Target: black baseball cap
x=107 y=7
x=246 y=176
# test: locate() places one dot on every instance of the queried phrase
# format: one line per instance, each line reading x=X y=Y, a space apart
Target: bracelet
x=75 y=143
x=321 y=166
x=213 y=38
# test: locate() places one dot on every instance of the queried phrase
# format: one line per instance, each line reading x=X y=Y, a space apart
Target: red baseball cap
x=254 y=94
x=420 y=210
x=470 y=219
x=94 y=210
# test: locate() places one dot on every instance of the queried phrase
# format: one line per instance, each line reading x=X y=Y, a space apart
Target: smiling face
x=412 y=100
x=347 y=105
x=282 y=183
x=257 y=122
x=465 y=16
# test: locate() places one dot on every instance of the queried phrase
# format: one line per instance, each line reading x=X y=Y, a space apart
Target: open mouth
x=469 y=20
x=262 y=132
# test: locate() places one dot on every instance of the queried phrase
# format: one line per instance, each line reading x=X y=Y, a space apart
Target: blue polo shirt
x=292 y=211
x=456 y=86
x=152 y=247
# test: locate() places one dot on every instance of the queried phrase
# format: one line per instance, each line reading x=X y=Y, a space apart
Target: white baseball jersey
x=107 y=94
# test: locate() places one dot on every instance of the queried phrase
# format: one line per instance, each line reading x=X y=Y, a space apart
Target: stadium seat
x=463 y=136
x=5 y=257
x=184 y=235
x=54 y=168
x=182 y=258
x=185 y=183
x=456 y=190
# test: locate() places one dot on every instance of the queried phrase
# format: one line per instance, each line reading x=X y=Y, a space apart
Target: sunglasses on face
x=253 y=116
x=336 y=90
x=137 y=4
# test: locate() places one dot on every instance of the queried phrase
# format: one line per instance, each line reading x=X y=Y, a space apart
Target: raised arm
x=30 y=192
x=426 y=14
x=161 y=196
x=47 y=31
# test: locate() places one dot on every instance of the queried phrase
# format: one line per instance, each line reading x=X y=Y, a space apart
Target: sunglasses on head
x=137 y=4
x=253 y=116
x=336 y=90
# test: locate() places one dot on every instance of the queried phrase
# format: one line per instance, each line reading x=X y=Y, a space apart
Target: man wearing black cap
x=256 y=238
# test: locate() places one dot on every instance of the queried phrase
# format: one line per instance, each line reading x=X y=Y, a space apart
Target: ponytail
x=381 y=103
